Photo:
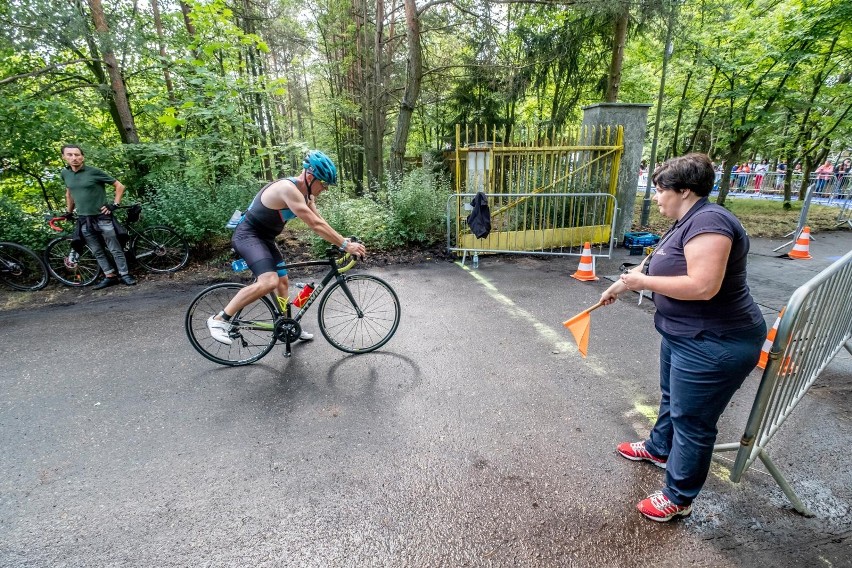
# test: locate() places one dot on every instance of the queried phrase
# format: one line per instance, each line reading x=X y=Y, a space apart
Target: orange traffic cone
x=800 y=249
x=586 y=270
x=770 y=338
x=787 y=365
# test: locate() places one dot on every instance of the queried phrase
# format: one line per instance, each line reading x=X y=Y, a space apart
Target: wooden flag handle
x=596 y=306
x=581 y=315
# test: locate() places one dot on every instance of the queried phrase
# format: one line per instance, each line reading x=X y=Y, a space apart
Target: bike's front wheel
x=160 y=249
x=359 y=314
x=252 y=332
x=70 y=269
x=21 y=268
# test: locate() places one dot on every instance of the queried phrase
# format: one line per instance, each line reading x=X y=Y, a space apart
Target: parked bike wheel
x=253 y=331
x=21 y=268
x=160 y=249
x=338 y=317
x=71 y=270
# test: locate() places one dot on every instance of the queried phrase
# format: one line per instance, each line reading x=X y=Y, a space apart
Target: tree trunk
x=811 y=162
x=788 y=180
x=617 y=61
x=675 y=144
x=705 y=106
x=377 y=109
x=731 y=156
x=367 y=88
x=412 y=88
x=127 y=126
x=158 y=23
x=187 y=21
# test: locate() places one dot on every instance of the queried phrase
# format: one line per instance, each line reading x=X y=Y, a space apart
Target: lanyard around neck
x=677 y=224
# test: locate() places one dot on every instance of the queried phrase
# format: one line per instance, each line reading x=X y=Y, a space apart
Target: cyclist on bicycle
x=254 y=237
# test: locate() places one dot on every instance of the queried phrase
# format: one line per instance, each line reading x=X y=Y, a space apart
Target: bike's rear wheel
x=160 y=249
x=80 y=272
x=338 y=316
x=21 y=268
x=252 y=332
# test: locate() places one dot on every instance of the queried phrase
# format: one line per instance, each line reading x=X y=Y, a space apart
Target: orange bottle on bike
x=303 y=295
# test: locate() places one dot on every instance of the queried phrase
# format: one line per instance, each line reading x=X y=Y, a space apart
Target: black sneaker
x=105 y=283
x=128 y=279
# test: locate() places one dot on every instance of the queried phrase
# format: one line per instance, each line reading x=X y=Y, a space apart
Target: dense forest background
x=194 y=104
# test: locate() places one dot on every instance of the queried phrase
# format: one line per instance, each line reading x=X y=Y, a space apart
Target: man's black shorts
x=261 y=255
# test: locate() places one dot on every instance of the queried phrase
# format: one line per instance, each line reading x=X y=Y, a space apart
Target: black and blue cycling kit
x=254 y=237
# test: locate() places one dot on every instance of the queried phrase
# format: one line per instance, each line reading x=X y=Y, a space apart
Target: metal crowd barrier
x=816 y=324
x=845 y=215
x=828 y=189
x=536 y=223
x=803 y=220
x=767 y=184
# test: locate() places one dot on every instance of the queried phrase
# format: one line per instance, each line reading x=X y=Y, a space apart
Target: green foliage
x=197 y=212
x=252 y=84
x=417 y=204
x=349 y=215
x=746 y=81
x=21 y=226
x=410 y=210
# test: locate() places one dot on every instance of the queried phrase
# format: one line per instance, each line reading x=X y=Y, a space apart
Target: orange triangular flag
x=579 y=326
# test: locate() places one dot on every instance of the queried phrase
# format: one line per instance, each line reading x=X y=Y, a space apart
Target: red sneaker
x=657 y=507
x=636 y=451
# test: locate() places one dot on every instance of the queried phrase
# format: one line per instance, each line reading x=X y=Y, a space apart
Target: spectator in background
x=760 y=171
x=85 y=192
x=843 y=175
x=742 y=175
x=780 y=173
x=797 y=177
x=824 y=173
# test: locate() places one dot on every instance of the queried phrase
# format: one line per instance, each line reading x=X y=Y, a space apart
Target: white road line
x=554 y=337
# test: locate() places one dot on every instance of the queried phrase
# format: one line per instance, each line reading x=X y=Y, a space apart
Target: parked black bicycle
x=157 y=249
x=21 y=268
x=358 y=313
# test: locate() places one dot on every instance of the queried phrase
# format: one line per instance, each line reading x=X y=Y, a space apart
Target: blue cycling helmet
x=321 y=166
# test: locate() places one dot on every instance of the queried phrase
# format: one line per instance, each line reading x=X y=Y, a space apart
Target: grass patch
x=761 y=218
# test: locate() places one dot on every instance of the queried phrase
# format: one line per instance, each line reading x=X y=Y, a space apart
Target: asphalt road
x=477 y=437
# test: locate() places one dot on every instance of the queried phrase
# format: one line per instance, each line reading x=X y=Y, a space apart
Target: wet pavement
x=477 y=437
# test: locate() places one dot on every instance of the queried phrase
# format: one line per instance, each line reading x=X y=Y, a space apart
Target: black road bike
x=21 y=268
x=358 y=313
x=157 y=249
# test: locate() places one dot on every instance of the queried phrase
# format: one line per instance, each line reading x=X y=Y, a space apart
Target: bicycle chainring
x=287 y=329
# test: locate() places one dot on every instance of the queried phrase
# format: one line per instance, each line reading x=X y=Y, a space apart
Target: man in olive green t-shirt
x=85 y=190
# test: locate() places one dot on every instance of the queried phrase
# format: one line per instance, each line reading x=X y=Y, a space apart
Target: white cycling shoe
x=305 y=336
x=219 y=330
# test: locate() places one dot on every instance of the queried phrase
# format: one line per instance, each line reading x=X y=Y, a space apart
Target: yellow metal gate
x=549 y=192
